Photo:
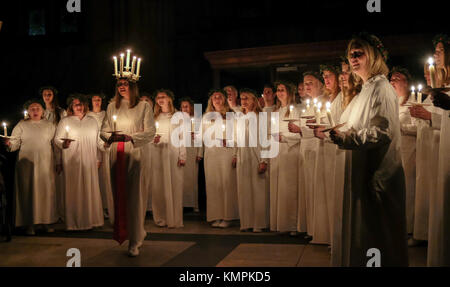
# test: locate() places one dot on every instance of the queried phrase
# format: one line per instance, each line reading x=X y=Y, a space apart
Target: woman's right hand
x=157 y=139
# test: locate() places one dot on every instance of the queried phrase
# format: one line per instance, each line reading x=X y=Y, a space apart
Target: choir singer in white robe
x=374 y=191
x=168 y=161
x=104 y=178
x=252 y=184
x=35 y=169
x=80 y=165
x=193 y=157
x=220 y=176
x=134 y=123
x=286 y=210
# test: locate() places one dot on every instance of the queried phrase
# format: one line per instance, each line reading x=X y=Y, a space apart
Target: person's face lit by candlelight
x=400 y=84
x=162 y=100
x=301 y=90
x=47 y=96
x=344 y=76
x=218 y=101
x=35 y=112
x=123 y=87
x=439 y=55
x=186 y=107
x=359 y=63
x=282 y=94
x=330 y=80
x=312 y=86
x=78 y=108
x=248 y=103
x=268 y=94
x=96 y=103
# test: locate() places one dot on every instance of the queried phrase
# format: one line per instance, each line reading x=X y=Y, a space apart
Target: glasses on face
x=356 y=54
x=124 y=84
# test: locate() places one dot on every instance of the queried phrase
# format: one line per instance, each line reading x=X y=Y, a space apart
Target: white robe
x=34 y=173
x=139 y=124
x=104 y=177
x=408 y=147
x=220 y=179
x=427 y=156
x=59 y=178
x=374 y=194
x=167 y=176
x=312 y=152
x=252 y=187
x=83 y=205
x=190 y=176
x=285 y=207
x=439 y=224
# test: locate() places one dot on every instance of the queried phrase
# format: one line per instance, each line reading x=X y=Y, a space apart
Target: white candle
x=114 y=123
x=133 y=65
x=273 y=120
x=330 y=118
x=5 y=130
x=432 y=72
x=116 y=72
x=138 y=67
x=157 y=126
x=25 y=114
x=192 y=125
x=67 y=132
x=128 y=60
x=121 y=63
x=308 y=101
x=419 y=94
x=317 y=115
x=315 y=101
x=413 y=93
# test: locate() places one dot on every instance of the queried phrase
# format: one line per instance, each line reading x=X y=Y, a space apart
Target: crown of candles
x=125 y=70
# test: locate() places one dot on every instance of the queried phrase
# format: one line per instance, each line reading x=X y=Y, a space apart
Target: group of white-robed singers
x=345 y=188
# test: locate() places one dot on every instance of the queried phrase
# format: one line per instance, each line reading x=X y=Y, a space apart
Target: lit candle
x=25 y=114
x=419 y=94
x=5 y=130
x=128 y=60
x=413 y=92
x=138 y=67
x=315 y=101
x=192 y=125
x=317 y=115
x=157 y=126
x=121 y=63
x=308 y=101
x=67 y=132
x=116 y=72
x=432 y=72
x=133 y=65
x=330 y=118
x=273 y=120
x=114 y=123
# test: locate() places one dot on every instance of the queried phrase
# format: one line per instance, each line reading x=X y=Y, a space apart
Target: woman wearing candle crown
x=439 y=221
x=374 y=190
x=35 y=171
x=193 y=156
x=97 y=112
x=168 y=160
x=286 y=208
x=220 y=176
x=252 y=183
x=80 y=165
x=133 y=121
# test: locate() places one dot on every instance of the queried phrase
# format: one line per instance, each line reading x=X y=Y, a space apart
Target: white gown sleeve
x=58 y=135
x=142 y=138
x=378 y=132
x=16 y=139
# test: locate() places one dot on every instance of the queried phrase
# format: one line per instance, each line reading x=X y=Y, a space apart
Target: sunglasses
x=356 y=54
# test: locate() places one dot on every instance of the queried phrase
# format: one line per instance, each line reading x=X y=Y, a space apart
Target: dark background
x=75 y=53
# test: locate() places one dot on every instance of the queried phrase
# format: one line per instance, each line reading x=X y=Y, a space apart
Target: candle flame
x=308 y=101
x=114 y=118
x=413 y=88
x=319 y=105
x=430 y=61
x=315 y=101
x=67 y=128
x=328 y=105
x=4 y=124
x=420 y=87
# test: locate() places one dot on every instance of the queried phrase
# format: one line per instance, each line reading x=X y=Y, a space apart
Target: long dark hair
x=134 y=94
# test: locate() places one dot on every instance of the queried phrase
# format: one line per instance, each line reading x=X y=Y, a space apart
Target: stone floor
x=195 y=245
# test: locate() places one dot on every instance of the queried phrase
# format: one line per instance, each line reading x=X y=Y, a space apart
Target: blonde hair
x=157 y=108
x=255 y=99
x=443 y=74
x=349 y=93
x=210 y=108
x=377 y=65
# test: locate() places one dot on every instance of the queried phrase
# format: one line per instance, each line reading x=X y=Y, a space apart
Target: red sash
x=120 y=203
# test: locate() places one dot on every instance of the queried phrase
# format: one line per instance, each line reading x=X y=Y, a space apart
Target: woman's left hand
x=318 y=133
